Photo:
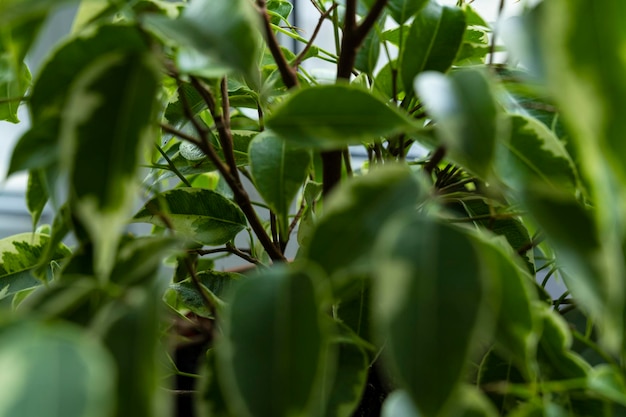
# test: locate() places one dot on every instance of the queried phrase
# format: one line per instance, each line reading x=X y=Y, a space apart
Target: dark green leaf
x=367 y=56
x=279 y=171
x=402 y=10
x=386 y=83
x=348 y=115
x=54 y=371
x=214 y=284
x=202 y=215
x=105 y=132
x=37 y=148
x=432 y=296
x=226 y=31
x=464 y=108
x=433 y=41
x=355 y=214
x=139 y=259
x=36 y=195
x=272 y=365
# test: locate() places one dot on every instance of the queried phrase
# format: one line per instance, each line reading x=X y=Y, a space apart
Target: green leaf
x=225 y=31
x=591 y=269
x=385 y=81
x=367 y=55
x=13 y=86
x=106 y=129
x=348 y=115
x=517 y=325
x=215 y=284
x=37 y=148
x=21 y=253
x=36 y=195
x=464 y=108
x=431 y=305
x=433 y=41
x=471 y=402
x=202 y=215
x=534 y=154
x=356 y=212
x=272 y=365
x=346 y=386
x=279 y=171
x=280 y=9
x=608 y=382
x=54 y=370
x=402 y=10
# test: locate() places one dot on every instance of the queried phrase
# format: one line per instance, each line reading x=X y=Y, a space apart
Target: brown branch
x=296 y=62
x=287 y=73
x=222 y=121
x=370 y=20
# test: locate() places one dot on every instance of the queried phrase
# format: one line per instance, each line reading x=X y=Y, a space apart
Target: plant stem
x=296 y=62
x=173 y=167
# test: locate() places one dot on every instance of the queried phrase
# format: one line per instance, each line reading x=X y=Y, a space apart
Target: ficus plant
x=416 y=283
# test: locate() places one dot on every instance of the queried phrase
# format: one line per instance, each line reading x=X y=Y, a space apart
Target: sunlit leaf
x=202 y=215
x=348 y=115
x=399 y=404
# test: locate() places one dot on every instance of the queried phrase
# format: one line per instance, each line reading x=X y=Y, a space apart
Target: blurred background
x=14 y=216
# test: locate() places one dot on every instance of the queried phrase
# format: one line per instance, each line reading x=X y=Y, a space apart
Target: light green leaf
x=464 y=108
x=272 y=365
x=279 y=171
x=534 y=154
x=332 y=116
x=54 y=370
x=431 y=305
x=202 y=215
x=226 y=31
x=402 y=10
x=356 y=212
x=280 y=11
x=471 y=402
x=608 y=382
x=433 y=41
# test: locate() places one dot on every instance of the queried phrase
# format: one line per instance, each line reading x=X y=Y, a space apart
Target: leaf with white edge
x=402 y=10
x=348 y=115
x=399 y=404
x=430 y=308
x=279 y=170
x=356 y=212
x=273 y=365
x=199 y=214
x=76 y=371
x=464 y=108
x=109 y=114
x=534 y=154
x=433 y=41
x=226 y=31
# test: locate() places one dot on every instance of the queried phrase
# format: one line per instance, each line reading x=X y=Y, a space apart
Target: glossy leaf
x=464 y=108
x=201 y=215
x=534 y=154
x=109 y=114
x=279 y=171
x=430 y=306
x=271 y=366
x=280 y=9
x=357 y=212
x=227 y=32
x=54 y=370
x=348 y=115
x=402 y=10
x=433 y=41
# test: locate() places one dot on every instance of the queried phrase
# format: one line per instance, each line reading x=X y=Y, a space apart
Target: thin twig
x=492 y=47
x=296 y=62
x=172 y=166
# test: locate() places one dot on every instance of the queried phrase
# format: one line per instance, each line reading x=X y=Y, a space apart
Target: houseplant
x=417 y=286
